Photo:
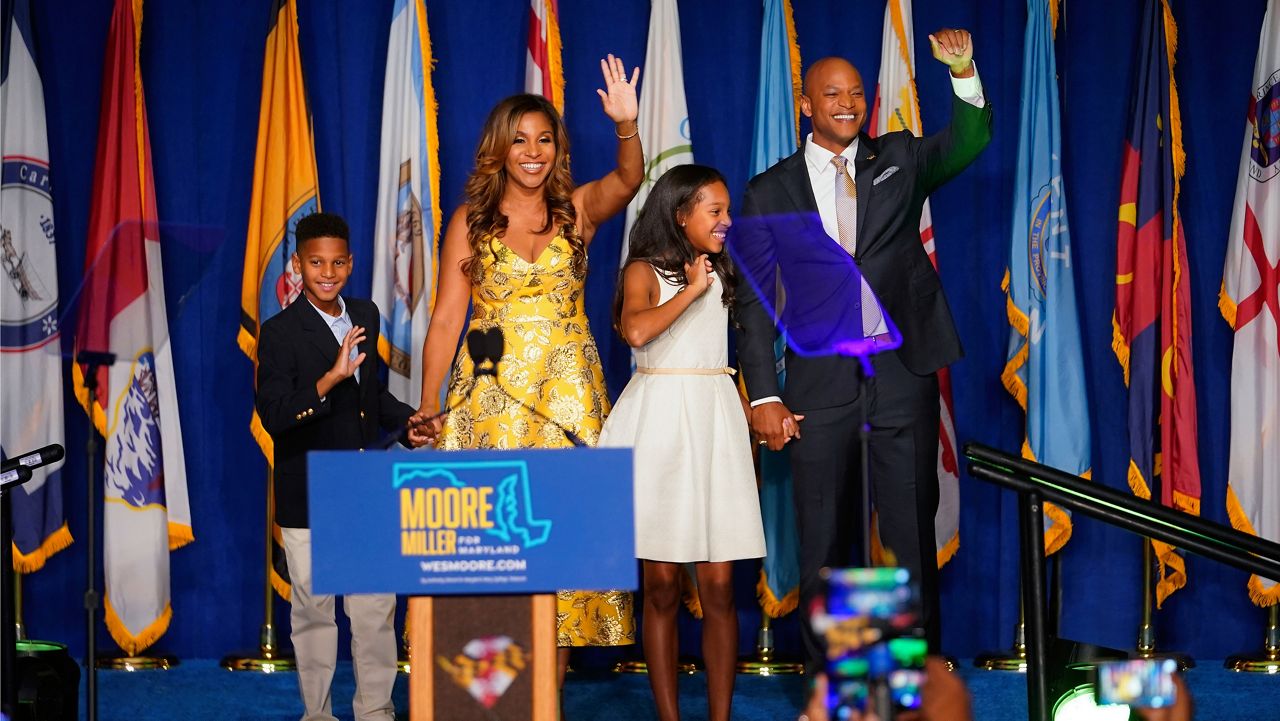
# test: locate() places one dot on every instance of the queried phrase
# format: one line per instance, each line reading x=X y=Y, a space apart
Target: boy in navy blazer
x=319 y=389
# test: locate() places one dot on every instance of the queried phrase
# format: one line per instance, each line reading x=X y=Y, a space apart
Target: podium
x=481 y=540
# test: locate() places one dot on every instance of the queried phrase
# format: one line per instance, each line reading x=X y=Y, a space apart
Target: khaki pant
x=315 y=640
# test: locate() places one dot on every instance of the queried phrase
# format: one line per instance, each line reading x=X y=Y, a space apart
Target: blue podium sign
x=471 y=522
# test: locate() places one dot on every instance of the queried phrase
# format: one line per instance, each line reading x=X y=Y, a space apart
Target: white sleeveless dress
x=695 y=488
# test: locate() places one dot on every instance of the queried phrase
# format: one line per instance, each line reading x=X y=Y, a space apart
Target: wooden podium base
x=483 y=658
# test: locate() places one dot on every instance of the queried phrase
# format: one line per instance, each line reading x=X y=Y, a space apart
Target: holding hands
x=954 y=48
x=425 y=427
x=619 y=95
x=774 y=425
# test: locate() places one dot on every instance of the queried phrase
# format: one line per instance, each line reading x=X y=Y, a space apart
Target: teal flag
x=775 y=137
x=1045 y=368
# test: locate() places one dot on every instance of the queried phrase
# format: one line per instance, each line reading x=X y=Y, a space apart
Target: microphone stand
x=487 y=346
x=93 y=362
x=8 y=633
x=485 y=349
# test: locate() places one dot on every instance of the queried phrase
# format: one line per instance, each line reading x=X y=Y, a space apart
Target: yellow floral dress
x=550 y=362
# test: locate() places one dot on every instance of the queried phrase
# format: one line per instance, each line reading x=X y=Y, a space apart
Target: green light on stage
x=26 y=646
x=1078 y=704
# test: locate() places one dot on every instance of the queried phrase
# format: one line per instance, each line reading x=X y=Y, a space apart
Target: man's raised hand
x=954 y=48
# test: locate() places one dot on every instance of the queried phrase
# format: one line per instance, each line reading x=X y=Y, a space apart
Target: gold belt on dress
x=687 y=371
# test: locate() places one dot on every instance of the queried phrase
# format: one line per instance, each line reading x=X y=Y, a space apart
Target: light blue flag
x=774 y=138
x=1045 y=367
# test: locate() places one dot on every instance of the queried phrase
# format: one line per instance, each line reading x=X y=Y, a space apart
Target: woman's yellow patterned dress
x=550 y=362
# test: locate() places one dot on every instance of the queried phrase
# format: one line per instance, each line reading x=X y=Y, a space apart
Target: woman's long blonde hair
x=485 y=187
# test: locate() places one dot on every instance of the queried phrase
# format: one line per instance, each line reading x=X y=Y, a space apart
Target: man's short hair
x=321 y=225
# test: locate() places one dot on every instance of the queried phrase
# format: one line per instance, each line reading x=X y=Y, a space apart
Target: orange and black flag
x=285 y=190
x=1152 y=321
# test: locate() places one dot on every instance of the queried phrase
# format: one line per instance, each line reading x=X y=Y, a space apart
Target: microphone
x=486 y=347
x=15 y=476
x=51 y=453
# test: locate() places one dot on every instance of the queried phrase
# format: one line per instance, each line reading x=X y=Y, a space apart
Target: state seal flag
x=408 y=211
x=30 y=342
x=1250 y=302
x=122 y=311
x=285 y=190
x=897 y=107
x=1044 y=370
x=775 y=135
x=543 y=67
x=663 y=121
x=1152 y=322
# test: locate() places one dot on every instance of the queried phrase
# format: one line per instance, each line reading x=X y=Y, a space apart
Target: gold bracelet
x=627 y=137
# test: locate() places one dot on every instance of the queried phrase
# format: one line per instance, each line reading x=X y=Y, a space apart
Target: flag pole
x=1147 y=629
x=763 y=662
x=19 y=628
x=1268 y=661
x=1014 y=658
x=269 y=658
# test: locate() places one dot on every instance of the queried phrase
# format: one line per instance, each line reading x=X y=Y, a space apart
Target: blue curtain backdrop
x=202 y=68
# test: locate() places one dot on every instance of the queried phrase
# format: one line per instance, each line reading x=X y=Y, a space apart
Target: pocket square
x=885 y=175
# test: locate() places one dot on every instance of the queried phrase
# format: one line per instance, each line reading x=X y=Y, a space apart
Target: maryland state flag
x=1045 y=367
x=897 y=107
x=285 y=190
x=135 y=404
x=1250 y=302
x=1152 y=322
x=543 y=67
x=775 y=136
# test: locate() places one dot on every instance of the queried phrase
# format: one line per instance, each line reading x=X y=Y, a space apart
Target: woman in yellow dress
x=517 y=250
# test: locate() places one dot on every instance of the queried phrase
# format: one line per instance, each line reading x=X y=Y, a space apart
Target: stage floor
x=199 y=690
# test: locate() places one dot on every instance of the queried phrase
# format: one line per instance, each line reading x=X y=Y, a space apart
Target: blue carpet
x=198 y=690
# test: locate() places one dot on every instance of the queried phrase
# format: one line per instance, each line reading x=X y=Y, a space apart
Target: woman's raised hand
x=619 y=94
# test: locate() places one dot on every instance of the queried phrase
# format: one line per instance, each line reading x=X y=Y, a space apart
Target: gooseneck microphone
x=486 y=348
x=14 y=477
x=51 y=453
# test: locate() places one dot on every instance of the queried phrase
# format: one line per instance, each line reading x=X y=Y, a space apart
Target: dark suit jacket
x=295 y=349
x=780 y=231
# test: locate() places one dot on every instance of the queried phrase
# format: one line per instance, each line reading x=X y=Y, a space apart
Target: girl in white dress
x=695 y=492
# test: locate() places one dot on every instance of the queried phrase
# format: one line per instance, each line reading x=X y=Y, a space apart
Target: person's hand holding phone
x=944 y=697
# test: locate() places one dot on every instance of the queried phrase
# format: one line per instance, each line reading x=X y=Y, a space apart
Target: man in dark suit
x=316 y=392
x=845 y=201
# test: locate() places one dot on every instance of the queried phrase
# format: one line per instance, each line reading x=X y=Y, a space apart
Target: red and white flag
x=898 y=108
x=1250 y=301
x=122 y=311
x=543 y=71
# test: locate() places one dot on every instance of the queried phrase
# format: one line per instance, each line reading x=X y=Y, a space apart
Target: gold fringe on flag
x=430 y=112
x=1226 y=306
x=134 y=644
x=773 y=606
x=793 y=45
x=1260 y=596
x=554 y=59
x=34 y=561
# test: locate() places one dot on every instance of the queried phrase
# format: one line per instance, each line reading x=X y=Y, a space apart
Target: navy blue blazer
x=295 y=349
